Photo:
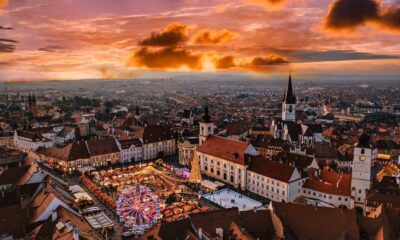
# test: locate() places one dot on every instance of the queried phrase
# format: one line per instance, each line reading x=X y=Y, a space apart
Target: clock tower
x=361 y=174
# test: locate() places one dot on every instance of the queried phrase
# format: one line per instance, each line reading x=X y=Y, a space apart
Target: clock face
x=362 y=158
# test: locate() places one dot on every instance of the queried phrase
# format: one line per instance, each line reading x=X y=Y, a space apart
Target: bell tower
x=361 y=174
x=206 y=126
x=289 y=103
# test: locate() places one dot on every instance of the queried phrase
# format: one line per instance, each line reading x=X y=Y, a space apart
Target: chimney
x=220 y=233
x=53 y=216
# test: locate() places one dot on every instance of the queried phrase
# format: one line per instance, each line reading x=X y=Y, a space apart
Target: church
x=288 y=129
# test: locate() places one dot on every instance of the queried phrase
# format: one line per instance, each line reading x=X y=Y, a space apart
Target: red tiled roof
x=268 y=168
x=330 y=183
x=228 y=149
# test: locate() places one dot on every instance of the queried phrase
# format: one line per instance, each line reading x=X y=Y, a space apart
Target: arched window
x=290 y=108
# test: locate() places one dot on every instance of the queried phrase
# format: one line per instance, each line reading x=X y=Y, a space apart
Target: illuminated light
x=208 y=65
x=384 y=156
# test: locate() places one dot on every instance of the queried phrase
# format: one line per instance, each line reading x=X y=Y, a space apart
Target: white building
x=226 y=160
x=131 y=150
x=30 y=141
x=332 y=189
x=158 y=140
x=275 y=181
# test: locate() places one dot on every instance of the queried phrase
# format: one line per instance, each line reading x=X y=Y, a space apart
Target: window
x=362 y=150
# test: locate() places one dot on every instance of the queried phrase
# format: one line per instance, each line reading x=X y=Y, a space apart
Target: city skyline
x=243 y=39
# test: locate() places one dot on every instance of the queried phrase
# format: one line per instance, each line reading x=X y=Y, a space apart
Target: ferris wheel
x=138 y=208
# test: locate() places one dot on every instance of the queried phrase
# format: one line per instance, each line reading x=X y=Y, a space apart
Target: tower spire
x=289 y=97
x=206 y=117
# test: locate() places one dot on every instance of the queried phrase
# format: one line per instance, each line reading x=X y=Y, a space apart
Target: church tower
x=289 y=103
x=206 y=126
x=137 y=114
x=361 y=174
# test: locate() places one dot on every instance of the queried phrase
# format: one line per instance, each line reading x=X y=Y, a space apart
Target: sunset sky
x=89 y=39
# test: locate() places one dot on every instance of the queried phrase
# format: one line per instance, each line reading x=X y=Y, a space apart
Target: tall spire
x=137 y=110
x=33 y=98
x=29 y=97
x=289 y=97
x=206 y=117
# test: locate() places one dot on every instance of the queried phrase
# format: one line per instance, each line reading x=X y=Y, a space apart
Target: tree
x=195 y=173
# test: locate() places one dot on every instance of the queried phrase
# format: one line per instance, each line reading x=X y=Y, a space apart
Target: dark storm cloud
x=345 y=14
x=349 y=14
x=390 y=18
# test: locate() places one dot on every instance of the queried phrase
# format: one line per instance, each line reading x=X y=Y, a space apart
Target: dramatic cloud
x=348 y=14
x=172 y=35
x=390 y=18
x=225 y=62
x=166 y=59
x=207 y=36
x=269 y=60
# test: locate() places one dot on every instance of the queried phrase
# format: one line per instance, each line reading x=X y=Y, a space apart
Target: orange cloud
x=174 y=34
x=169 y=58
x=3 y=3
x=265 y=3
x=208 y=36
x=271 y=59
x=225 y=62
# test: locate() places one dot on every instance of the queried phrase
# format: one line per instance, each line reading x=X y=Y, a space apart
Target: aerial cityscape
x=200 y=119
